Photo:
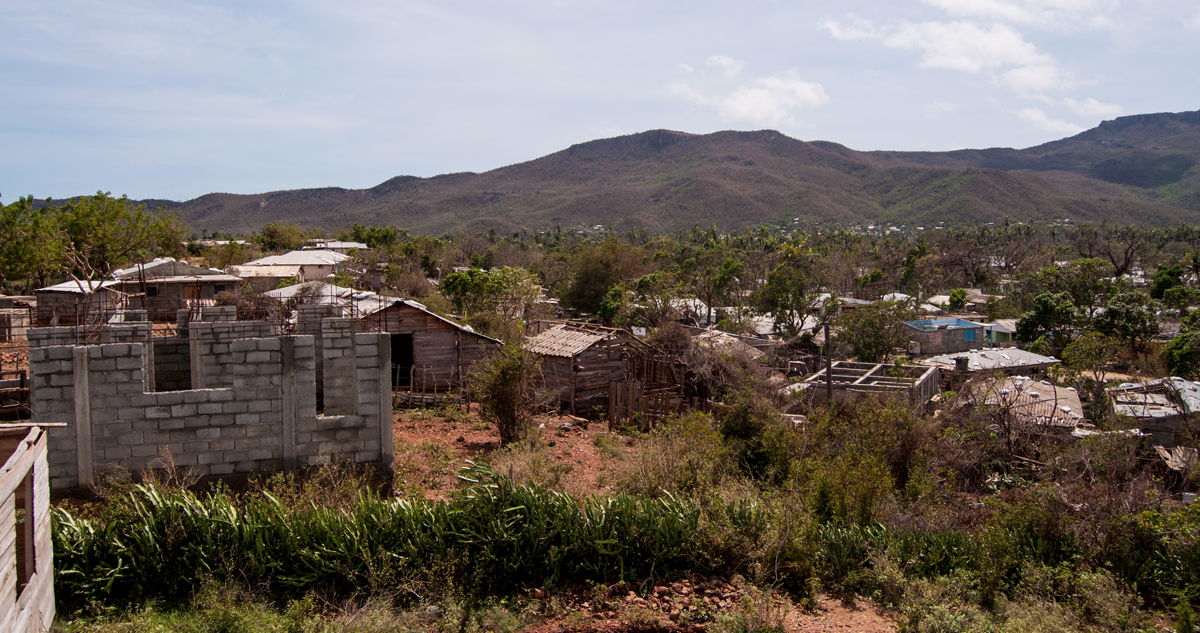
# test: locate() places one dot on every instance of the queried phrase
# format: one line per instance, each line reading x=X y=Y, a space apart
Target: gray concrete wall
x=256 y=411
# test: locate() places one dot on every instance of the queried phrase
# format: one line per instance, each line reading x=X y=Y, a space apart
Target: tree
x=875 y=331
x=1092 y=352
x=31 y=243
x=790 y=290
x=510 y=292
x=596 y=269
x=109 y=232
x=1166 y=278
x=1182 y=354
x=1130 y=316
x=279 y=237
x=1052 y=316
x=471 y=290
x=958 y=298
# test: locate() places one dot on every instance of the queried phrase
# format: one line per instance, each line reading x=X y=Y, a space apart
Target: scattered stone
x=566 y=426
x=460 y=439
x=433 y=612
x=537 y=594
x=552 y=443
x=661 y=590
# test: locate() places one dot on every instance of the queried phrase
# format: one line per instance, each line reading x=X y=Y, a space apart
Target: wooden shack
x=429 y=353
x=26 y=556
x=581 y=361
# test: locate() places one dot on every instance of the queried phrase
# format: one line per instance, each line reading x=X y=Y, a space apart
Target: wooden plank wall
x=26 y=573
x=442 y=354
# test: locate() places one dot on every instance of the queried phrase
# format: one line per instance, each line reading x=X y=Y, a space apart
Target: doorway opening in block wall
x=402 y=359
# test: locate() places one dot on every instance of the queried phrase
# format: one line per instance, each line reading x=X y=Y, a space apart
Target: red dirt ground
x=432 y=445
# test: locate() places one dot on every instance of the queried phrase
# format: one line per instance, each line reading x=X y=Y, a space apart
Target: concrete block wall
x=309 y=320
x=172 y=364
x=262 y=420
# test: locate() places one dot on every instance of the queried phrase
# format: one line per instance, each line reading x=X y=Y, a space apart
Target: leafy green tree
x=875 y=331
x=375 y=236
x=472 y=290
x=1180 y=298
x=1166 y=278
x=1130 y=316
x=1092 y=352
x=596 y=269
x=1052 y=316
x=1182 y=354
x=31 y=243
x=105 y=233
x=958 y=298
x=509 y=292
x=276 y=237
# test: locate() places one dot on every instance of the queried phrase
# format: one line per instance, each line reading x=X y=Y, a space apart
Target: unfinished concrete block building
x=248 y=402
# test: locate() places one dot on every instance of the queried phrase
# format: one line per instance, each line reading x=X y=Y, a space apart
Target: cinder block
x=170 y=398
x=220 y=469
x=144 y=400
x=129 y=363
x=129 y=439
x=210 y=458
x=117 y=452
x=221 y=420
x=247 y=418
x=143 y=450
x=208 y=408
x=170 y=424
x=235 y=407
x=131 y=413
x=197 y=396
x=196 y=447
x=183 y=410
x=233 y=432
x=209 y=433
x=259 y=406
x=366 y=457
x=261 y=430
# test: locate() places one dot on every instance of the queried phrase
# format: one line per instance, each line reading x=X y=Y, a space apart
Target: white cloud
x=768 y=101
x=1193 y=23
x=1091 y=108
x=935 y=108
x=1040 y=13
x=965 y=45
x=1041 y=120
x=1037 y=80
x=686 y=68
x=729 y=66
x=858 y=29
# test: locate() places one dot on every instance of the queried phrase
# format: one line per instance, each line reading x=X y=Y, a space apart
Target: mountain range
x=1139 y=169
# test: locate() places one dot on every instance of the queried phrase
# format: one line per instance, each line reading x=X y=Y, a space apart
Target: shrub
x=507 y=389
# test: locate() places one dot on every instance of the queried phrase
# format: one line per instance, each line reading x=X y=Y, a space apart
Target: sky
x=174 y=98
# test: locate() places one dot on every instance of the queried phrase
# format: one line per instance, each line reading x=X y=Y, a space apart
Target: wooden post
x=828 y=366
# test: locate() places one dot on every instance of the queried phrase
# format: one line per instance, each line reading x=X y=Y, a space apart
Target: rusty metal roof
x=564 y=340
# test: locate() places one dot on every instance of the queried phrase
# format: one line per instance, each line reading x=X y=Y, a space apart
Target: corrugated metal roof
x=78 y=287
x=1036 y=401
x=301 y=258
x=981 y=360
x=563 y=340
x=246 y=272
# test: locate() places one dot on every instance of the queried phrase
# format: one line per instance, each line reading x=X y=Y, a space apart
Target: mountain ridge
x=1138 y=168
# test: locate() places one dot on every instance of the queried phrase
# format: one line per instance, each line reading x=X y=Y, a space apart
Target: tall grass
x=495 y=536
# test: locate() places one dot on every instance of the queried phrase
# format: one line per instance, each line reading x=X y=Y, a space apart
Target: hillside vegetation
x=1139 y=168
